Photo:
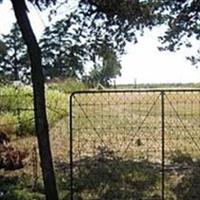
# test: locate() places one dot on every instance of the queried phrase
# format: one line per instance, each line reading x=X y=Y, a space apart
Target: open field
x=120 y=120
x=135 y=127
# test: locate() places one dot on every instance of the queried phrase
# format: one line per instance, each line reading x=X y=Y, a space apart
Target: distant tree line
x=14 y=61
x=65 y=54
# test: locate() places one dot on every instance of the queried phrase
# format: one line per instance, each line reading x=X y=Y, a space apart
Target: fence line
x=153 y=127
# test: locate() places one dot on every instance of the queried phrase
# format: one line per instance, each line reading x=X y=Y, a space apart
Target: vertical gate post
x=20 y=129
x=71 y=146
x=163 y=143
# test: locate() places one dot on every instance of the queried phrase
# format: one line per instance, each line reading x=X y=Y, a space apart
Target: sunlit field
x=135 y=123
x=135 y=134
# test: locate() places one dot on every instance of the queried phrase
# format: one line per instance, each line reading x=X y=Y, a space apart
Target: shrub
x=12 y=98
x=26 y=124
x=8 y=123
x=18 y=188
x=16 y=109
x=67 y=86
x=56 y=106
x=22 y=194
x=10 y=157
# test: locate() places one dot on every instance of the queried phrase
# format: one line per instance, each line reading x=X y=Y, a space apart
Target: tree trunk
x=41 y=123
x=15 y=66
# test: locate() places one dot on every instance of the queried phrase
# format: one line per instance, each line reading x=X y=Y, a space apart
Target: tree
x=62 y=54
x=65 y=51
x=2 y=48
x=3 y=52
x=111 y=24
x=41 y=124
x=80 y=36
x=106 y=68
x=183 y=22
x=15 y=58
x=114 y=22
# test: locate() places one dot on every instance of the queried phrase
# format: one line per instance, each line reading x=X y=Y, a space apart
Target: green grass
x=18 y=188
x=66 y=86
x=16 y=109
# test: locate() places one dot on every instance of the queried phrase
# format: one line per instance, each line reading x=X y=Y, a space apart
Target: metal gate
x=134 y=144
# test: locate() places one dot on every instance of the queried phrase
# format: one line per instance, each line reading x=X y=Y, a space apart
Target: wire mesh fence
x=140 y=144
x=16 y=114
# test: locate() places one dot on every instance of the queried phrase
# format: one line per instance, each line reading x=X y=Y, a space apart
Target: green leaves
x=62 y=50
x=41 y=4
x=3 y=48
x=13 y=55
x=183 y=25
x=107 y=67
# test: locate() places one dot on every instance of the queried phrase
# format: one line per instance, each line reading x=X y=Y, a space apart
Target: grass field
x=128 y=125
x=126 y=119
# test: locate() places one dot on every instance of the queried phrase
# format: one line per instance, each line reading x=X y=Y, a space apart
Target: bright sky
x=143 y=62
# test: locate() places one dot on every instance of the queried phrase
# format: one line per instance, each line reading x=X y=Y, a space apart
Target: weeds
x=67 y=86
x=15 y=188
x=10 y=157
x=16 y=109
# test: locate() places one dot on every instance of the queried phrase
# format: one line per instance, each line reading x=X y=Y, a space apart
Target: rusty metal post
x=163 y=143
x=71 y=146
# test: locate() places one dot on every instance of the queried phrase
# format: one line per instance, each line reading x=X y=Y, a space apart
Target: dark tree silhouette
x=16 y=56
x=183 y=22
x=41 y=124
x=62 y=53
x=109 y=68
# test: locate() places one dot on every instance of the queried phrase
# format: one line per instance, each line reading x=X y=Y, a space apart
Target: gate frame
x=162 y=92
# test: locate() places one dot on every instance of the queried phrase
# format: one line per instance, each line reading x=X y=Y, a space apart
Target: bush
x=10 y=157
x=67 y=86
x=22 y=194
x=16 y=109
x=12 y=98
x=8 y=123
x=56 y=106
x=25 y=123
x=13 y=104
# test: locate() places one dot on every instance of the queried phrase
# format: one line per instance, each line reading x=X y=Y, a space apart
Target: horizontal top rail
x=137 y=90
x=18 y=95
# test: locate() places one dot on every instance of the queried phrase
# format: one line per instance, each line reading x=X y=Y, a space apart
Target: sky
x=146 y=64
x=143 y=62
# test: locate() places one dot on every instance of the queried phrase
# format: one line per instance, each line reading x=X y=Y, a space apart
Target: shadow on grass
x=16 y=188
x=188 y=186
x=7 y=184
x=108 y=177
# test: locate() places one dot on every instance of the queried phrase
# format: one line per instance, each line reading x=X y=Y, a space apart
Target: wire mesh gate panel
x=136 y=145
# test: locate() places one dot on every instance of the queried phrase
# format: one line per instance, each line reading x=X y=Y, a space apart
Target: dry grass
x=130 y=123
x=59 y=145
